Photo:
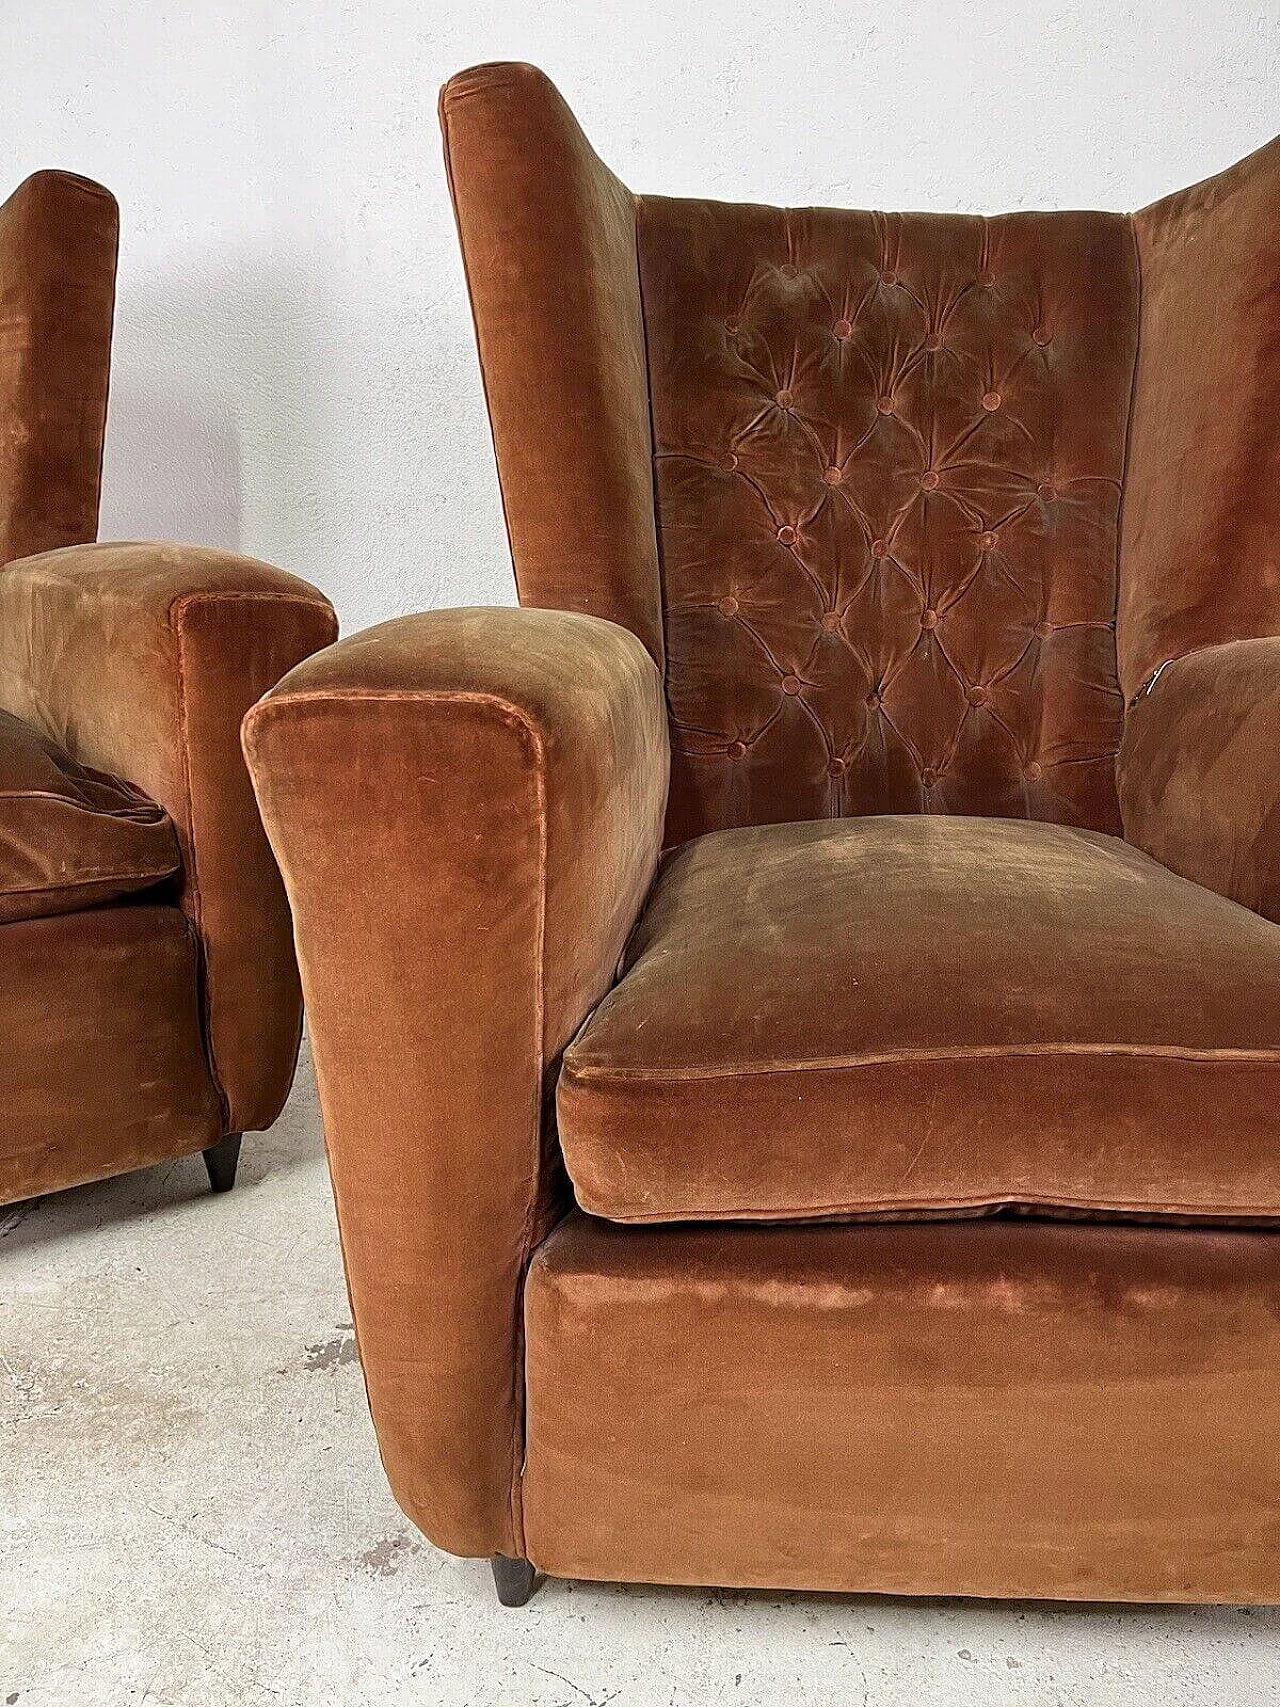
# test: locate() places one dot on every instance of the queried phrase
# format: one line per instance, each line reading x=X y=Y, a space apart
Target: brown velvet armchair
x=149 y=1001
x=877 y=1189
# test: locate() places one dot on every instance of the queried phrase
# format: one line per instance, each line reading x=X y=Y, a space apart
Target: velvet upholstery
x=137 y=661
x=549 y=244
x=887 y=457
x=57 y=295
x=103 y=1066
x=983 y=1408
x=868 y=492
x=1197 y=770
x=1202 y=494
x=888 y=453
x=72 y=837
x=895 y=1015
x=531 y=748
x=141 y=660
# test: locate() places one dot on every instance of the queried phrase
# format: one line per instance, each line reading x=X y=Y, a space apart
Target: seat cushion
x=904 y=1016
x=71 y=837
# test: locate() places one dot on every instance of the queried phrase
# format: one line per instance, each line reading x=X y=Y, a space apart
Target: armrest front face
x=467 y=807
x=141 y=660
x=1197 y=771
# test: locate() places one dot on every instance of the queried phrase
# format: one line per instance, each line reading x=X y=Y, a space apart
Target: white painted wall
x=294 y=370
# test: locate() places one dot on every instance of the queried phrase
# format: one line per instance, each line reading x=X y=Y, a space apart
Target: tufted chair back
x=887 y=466
x=855 y=479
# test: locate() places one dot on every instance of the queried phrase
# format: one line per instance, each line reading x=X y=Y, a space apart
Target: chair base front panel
x=102 y=1063
x=952 y=1408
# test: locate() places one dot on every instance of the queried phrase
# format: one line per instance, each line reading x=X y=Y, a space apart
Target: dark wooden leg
x=220 y=1159
x=513 y=1579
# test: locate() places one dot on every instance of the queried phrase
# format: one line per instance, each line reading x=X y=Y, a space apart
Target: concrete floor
x=192 y=1512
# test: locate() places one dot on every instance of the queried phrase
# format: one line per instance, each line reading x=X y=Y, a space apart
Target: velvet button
x=1034 y=772
x=991 y=401
x=1043 y=630
x=986 y=280
x=885 y=405
x=737 y=749
x=1045 y=491
x=843 y=328
x=835 y=767
x=787 y=270
x=728 y=460
x=879 y=548
x=933 y=342
x=928 y=776
x=728 y=606
x=731 y=324
x=1042 y=335
x=873 y=702
x=791 y=684
x=889 y=278
x=929 y=481
x=787 y=535
x=977 y=696
x=784 y=400
x=988 y=541
x=928 y=618
x=832 y=476
x=831 y=620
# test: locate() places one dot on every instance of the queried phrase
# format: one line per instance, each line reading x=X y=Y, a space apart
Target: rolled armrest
x=1197 y=770
x=142 y=660
x=467 y=807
